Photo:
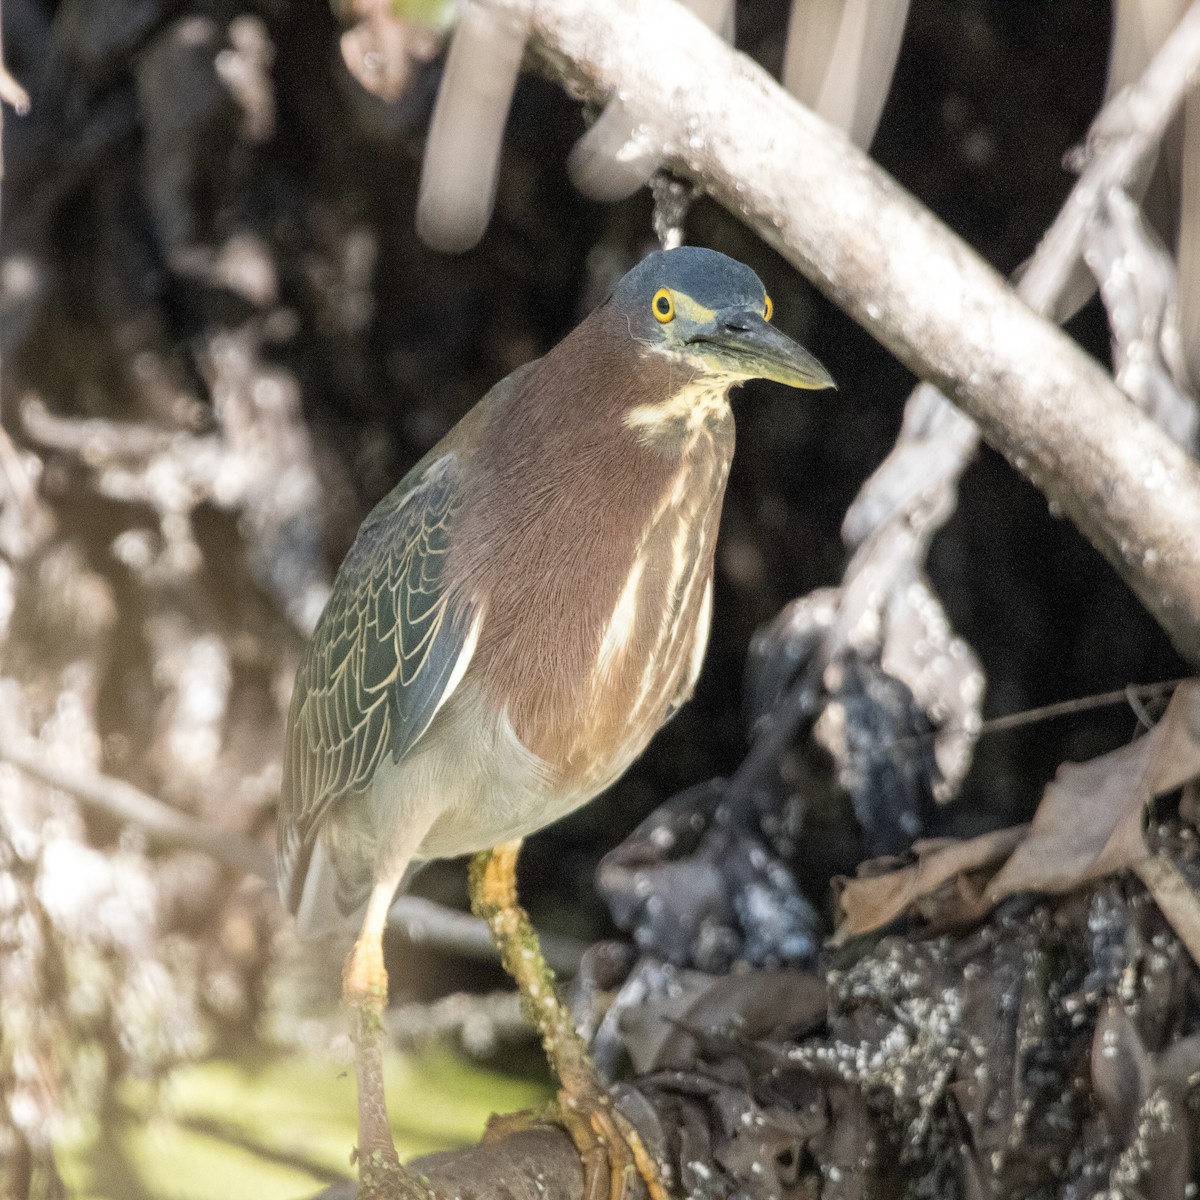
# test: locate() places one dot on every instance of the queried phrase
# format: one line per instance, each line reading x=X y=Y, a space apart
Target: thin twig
x=164 y=825
x=1132 y=694
x=1066 y=708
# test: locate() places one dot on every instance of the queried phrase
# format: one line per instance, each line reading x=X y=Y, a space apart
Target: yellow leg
x=611 y=1148
x=364 y=992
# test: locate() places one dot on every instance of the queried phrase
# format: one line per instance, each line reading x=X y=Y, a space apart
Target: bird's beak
x=741 y=342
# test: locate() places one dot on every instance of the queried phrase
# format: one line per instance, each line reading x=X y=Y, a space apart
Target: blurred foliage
x=274 y=1127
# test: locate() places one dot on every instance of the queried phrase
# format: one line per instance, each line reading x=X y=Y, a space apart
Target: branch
x=529 y=1165
x=877 y=253
x=164 y=825
x=423 y=922
x=936 y=443
x=910 y=496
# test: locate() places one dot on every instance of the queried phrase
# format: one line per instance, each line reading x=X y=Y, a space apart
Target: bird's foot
x=380 y=1177
x=364 y=990
x=613 y=1153
x=612 y=1150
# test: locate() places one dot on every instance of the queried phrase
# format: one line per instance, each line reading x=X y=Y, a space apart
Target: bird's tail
x=332 y=895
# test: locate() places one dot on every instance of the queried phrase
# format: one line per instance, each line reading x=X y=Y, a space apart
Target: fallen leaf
x=1089 y=824
x=872 y=901
x=1143 y=1106
x=1174 y=897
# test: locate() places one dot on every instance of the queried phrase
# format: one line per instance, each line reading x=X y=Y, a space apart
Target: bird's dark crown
x=711 y=279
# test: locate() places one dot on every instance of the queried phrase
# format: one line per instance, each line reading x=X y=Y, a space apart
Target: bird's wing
x=390 y=648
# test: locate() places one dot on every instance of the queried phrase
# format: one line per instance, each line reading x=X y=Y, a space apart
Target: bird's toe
x=613 y=1152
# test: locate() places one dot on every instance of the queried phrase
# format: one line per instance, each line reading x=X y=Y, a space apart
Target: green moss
x=435 y=14
x=275 y=1127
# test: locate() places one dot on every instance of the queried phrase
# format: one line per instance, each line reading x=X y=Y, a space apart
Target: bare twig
x=1133 y=696
x=164 y=824
x=1048 y=407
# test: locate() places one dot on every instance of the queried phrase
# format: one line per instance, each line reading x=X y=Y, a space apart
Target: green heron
x=512 y=625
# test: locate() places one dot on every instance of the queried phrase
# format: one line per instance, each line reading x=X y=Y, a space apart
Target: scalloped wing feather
x=390 y=648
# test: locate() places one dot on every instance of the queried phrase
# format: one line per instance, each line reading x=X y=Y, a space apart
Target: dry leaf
x=1089 y=824
x=871 y=901
x=1143 y=1106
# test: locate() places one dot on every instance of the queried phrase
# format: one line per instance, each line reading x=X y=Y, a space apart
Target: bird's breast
x=620 y=636
x=650 y=650
x=588 y=542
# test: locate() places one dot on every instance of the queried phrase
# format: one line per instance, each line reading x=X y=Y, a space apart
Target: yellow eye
x=768 y=309
x=663 y=305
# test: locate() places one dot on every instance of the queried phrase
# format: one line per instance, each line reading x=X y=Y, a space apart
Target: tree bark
x=531 y=1165
x=1053 y=412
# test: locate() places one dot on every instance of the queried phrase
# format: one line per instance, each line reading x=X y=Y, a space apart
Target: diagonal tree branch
x=891 y=523
x=875 y=251
x=163 y=824
x=1122 y=138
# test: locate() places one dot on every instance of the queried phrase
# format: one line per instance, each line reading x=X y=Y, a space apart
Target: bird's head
x=712 y=314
